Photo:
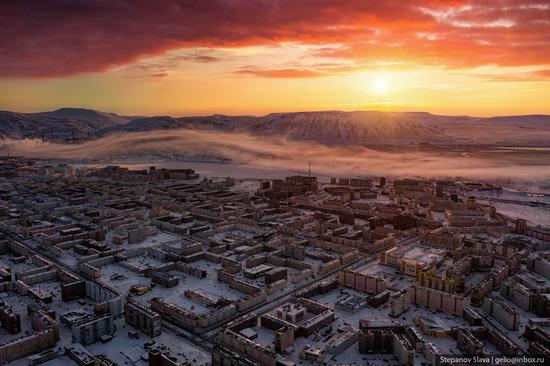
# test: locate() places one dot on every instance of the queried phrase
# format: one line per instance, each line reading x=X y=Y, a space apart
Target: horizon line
x=270 y=113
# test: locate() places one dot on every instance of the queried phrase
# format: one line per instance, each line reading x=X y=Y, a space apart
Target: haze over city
x=274 y=183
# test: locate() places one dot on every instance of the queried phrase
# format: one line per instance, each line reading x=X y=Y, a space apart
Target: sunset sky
x=255 y=57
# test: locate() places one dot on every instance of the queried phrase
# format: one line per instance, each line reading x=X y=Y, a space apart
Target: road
x=205 y=337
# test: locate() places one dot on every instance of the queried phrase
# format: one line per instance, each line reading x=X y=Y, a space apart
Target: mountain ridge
x=324 y=127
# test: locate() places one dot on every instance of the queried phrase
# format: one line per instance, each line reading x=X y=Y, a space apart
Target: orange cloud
x=53 y=38
x=279 y=73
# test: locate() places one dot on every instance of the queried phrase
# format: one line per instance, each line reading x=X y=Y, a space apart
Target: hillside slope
x=61 y=124
x=325 y=127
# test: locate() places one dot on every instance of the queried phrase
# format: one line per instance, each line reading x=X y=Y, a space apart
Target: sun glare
x=379 y=84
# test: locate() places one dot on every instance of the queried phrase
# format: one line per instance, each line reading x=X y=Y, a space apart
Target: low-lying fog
x=278 y=153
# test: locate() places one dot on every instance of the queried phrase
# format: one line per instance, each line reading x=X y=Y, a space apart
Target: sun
x=380 y=84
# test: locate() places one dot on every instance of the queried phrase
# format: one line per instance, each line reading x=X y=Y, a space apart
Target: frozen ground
x=6 y=260
x=397 y=280
x=175 y=294
x=19 y=303
x=246 y=186
x=129 y=351
x=536 y=215
x=446 y=345
x=208 y=169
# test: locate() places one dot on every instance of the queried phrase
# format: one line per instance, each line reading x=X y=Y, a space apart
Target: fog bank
x=278 y=153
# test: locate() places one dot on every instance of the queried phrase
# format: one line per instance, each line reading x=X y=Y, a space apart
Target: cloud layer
x=53 y=38
x=287 y=155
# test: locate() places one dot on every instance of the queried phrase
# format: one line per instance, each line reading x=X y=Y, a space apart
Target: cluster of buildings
x=163 y=267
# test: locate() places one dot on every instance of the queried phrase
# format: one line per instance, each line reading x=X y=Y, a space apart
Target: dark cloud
x=202 y=58
x=159 y=75
x=51 y=38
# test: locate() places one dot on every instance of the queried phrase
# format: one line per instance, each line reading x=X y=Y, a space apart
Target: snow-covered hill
x=59 y=124
x=367 y=128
